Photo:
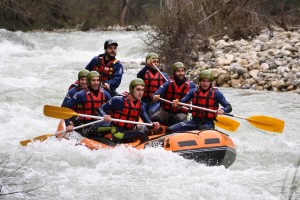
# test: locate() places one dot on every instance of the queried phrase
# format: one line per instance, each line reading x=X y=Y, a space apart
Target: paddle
x=160 y=72
x=262 y=122
x=222 y=122
x=65 y=113
x=42 y=138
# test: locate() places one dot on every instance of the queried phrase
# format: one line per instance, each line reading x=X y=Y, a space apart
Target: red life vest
x=152 y=82
x=175 y=92
x=130 y=112
x=92 y=103
x=107 y=70
x=205 y=100
x=76 y=84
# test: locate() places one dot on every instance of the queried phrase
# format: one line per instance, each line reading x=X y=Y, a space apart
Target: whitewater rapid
x=37 y=68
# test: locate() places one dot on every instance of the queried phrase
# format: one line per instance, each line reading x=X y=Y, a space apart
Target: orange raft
x=211 y=147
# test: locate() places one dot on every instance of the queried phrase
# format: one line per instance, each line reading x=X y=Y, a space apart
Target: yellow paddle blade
x=267 y=123
x=227 y=123
x=59 y=112
x=40 y=138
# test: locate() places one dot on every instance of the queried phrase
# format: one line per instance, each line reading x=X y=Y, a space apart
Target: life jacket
x=152 y=82
x=130 y=112
x=107 y=70
x=174 y=92
x=91 y=104
x=76 y=84
x=205 y=100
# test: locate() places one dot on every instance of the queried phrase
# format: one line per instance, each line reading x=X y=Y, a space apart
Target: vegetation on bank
x=27 y=15
x=181 y=27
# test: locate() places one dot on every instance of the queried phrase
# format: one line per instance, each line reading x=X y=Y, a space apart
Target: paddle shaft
x=165 y=100
x=81 y=126
x=65 y=113
x=42 y=138
x=231 y=115
x=197 y=107
x=261 y=122
x=116 y=120
x=222 y=122
x=160 y=72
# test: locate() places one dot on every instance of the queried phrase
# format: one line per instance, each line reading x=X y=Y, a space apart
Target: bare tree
x=183 y=27
x=8 y=180
x=123 y=12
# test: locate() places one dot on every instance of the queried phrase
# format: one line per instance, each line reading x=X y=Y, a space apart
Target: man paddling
x=87 y=101
x=153 y=80
x=108 y=66
x=127 y=107
x=206 y=96
x=175 y=88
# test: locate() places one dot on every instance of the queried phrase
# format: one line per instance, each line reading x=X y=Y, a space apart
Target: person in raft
x=108 y=66
x=175 y=88
x=153 y=80
x=128 y=107
x=76 y=87
x=87 y=102
x=206 y=96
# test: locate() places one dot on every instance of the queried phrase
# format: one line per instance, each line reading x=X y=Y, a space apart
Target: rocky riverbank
x=271 y=61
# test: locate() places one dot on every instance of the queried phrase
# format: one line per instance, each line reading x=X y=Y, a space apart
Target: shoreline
x=270 y=61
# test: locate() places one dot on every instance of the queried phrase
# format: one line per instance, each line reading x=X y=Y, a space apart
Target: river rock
x=253 y=73
x=225 y=60
x=263 y=38
x=265 y=67
x=265 y=63
x=235 y=76
x=285 y=52
x=235 y=83
x=242 y=61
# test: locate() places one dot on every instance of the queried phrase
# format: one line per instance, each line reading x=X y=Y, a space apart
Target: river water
x=37 y=68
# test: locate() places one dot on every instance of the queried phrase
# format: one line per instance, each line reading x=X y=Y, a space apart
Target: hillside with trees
x=180 y=27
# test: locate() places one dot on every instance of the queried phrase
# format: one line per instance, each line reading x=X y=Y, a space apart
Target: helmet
x=206 y=74
x=176 y=66
x=83 y=73
x=109 y=42
x=91 y=75
x=151 y=56
x=134 y=83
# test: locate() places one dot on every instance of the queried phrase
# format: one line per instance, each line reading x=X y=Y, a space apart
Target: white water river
x=37 y=68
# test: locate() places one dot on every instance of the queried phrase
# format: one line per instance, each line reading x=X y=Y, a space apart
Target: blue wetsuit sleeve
x=220 y=99
x=192 y=85
x=78 y=98
x=165 y=75
x=141 y=73
x=188 y=97
x=162 y=89
x=105 y=108
x=115 y=81
x=106 y=95
x=115 y=103
x=68 y=96
x=92 y=63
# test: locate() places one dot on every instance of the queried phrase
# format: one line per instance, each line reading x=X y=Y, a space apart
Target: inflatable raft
x=211 y=147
